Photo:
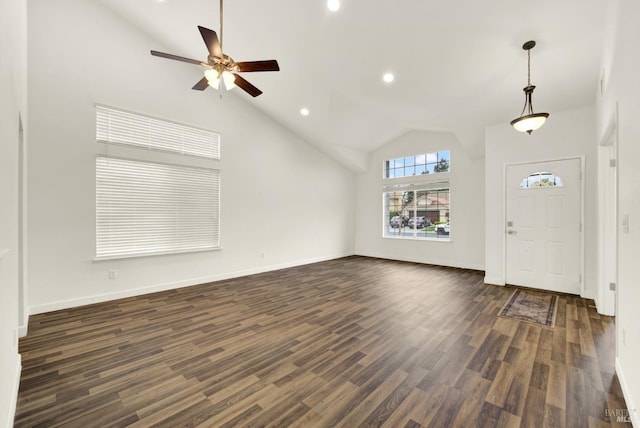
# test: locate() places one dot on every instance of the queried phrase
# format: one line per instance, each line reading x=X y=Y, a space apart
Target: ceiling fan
x=221 y=67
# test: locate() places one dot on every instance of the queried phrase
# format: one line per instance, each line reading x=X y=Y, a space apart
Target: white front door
x=543 y=225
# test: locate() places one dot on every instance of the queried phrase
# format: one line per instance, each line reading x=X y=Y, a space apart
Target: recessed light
x=333 y=5
x=304 y=111
x=388 y=77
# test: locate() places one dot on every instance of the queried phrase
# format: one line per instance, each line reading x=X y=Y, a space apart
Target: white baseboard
x=23 y=330
x=15 y=379
x=422 y=260
x=589 y=295
x=494 y=280
x=99 y=298
x=601 y=310
x=632 y=409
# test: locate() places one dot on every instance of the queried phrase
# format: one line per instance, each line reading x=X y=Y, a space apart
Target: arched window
x=541 y=179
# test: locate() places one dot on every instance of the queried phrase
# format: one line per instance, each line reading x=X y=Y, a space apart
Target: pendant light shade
x=530 y=121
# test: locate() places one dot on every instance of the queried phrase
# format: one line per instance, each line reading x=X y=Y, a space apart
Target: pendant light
x=531 y=121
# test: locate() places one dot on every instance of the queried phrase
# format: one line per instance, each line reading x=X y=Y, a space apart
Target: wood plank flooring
x=353 y=342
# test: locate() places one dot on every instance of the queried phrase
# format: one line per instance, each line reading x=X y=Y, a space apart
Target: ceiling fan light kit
x=221 y=67
x=214 y=77
x=531 y=121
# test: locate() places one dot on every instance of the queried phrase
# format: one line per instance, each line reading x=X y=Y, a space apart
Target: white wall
x=467 y=206
x=621 y=64
x=566 y=134
x=13 y=92
x=283 y=202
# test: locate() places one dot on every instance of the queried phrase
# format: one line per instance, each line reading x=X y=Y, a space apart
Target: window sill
x=408 y=238
x=165 y=253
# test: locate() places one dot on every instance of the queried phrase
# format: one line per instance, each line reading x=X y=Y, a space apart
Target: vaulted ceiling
x=458 y=65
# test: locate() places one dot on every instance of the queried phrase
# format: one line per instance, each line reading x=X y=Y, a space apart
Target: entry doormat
x=531 y=306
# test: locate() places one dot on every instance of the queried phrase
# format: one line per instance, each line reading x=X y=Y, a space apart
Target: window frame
x=440 y=155
x=430 y=187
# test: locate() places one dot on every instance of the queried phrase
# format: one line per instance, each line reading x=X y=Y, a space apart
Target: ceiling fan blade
x=211 y=40
x=201 y=85
x=246 y=86
x=176 y=57
x=248 y=66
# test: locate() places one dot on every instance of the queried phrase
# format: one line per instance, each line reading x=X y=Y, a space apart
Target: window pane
x=409 y=161
x=442 y=202
x=541 y=179
x=409 y=171
x=420 y=169
x=443 y=162
x=398 y=209
x=422 y=222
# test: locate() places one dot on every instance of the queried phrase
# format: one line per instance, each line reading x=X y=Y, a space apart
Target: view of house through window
x=417 y=208
x=417 y=214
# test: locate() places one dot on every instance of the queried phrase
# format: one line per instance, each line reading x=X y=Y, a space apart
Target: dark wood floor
x=349 y=342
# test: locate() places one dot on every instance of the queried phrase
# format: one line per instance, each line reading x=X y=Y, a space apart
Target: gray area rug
x=531 y=306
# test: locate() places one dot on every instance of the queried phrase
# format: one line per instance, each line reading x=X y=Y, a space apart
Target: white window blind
x=145 y=208
x=122 y=127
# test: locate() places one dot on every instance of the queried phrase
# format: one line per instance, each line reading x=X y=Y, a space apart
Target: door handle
x=512 y=232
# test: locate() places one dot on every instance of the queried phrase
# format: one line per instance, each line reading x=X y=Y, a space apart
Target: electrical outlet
x=113 y=273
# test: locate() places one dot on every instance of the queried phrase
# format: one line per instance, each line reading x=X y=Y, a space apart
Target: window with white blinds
x=132 y=129
x=145 y=208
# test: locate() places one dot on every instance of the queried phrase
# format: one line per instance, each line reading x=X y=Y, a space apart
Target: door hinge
x=612 y=286
x=612 y=163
